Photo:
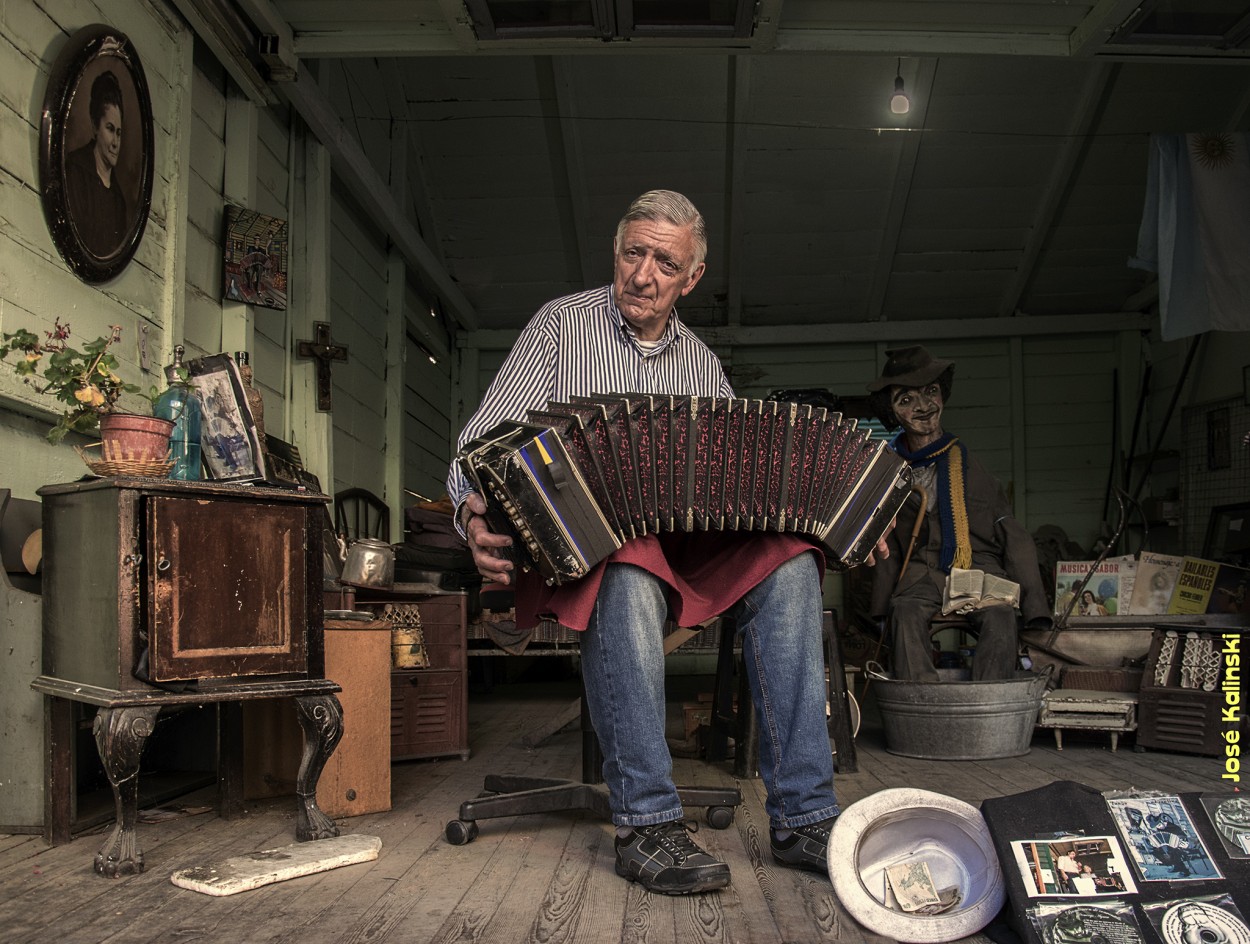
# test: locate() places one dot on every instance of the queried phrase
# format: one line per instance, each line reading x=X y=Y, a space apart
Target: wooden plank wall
x=36 y=285
x=427 y=424
x=271 y=337
x=358 y=315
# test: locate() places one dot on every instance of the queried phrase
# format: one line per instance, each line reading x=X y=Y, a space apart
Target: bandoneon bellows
x=577 y=479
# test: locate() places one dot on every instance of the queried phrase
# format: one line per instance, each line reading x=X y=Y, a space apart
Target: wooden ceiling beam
x=352 y=166
x=921 y=87
x=1063 y=172
x=1099 y=25
x=570 y=142
x=911 y=42
x=735 y=184
x=1021 y=325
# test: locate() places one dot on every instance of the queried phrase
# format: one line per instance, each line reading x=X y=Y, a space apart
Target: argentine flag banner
x=1195 y=231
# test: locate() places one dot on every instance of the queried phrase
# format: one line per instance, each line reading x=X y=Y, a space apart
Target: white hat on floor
x=904 y=826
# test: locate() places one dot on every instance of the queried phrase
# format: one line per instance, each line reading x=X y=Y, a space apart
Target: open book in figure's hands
x=968 y=590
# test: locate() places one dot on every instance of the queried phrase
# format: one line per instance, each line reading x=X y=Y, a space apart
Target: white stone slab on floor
x=256 y=869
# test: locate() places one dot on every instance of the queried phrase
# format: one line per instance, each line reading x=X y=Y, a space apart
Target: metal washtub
x=956 y=719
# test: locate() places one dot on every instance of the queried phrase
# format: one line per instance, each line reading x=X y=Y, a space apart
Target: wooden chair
x=358 y=513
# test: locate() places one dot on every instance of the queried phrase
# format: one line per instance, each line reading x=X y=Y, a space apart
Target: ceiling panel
x=1015 y=183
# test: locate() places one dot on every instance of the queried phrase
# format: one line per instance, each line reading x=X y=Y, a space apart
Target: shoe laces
x=819 y=830
x=674 y=838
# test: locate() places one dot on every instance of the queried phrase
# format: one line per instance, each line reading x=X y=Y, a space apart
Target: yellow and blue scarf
x=951 y=457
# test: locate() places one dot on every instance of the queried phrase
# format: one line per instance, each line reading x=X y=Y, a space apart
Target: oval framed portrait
x=95 y=153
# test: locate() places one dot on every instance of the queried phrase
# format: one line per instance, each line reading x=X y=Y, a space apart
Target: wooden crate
x=429 y=706
x=357 y=777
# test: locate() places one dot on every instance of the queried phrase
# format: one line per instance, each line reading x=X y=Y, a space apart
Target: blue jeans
x=623 y=673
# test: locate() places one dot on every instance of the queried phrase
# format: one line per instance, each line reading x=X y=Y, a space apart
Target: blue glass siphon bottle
x=181 y=403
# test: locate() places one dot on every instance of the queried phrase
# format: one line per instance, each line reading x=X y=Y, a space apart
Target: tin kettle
x=370 y=563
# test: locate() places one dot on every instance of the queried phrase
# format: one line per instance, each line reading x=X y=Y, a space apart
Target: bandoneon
x=577 y=479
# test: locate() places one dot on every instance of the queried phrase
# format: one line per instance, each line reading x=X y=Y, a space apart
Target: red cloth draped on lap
x=708 y=572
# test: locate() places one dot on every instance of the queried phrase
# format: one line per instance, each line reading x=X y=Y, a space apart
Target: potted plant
x=87 y=385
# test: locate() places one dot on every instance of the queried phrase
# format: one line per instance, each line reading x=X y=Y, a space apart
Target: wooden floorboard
x=546 y=877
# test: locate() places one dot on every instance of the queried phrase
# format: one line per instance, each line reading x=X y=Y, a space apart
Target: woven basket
x=113 y=461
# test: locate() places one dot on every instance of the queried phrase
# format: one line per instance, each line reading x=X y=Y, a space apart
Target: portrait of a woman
x=1090 y=606
x=93 y=186
x=96 y=146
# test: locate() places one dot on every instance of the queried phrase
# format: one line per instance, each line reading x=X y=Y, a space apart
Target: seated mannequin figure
x=967 y=524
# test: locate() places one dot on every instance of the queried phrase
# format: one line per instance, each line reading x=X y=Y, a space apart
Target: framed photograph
x=255 y=259
x=1074 y=867
x=1219 y=439
x=1228 y=534
x=1161 y=838
x=229 y=443
x=96 y=153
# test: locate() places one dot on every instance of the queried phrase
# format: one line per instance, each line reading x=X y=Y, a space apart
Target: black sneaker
x=663 y=858
x=807 y=847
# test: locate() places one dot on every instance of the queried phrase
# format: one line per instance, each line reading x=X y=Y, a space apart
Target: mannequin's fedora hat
x=910 y=367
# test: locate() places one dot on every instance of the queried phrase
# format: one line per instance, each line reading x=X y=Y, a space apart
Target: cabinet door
x=227 y=582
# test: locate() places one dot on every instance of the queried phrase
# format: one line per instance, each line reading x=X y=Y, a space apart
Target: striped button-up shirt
x=580 y=345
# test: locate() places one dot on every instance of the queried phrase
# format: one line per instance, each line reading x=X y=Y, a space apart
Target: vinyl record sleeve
x=1229 y=813
x=1108 y=922
x=1201 y=919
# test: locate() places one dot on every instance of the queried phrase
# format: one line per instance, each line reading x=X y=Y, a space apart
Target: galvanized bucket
x=959 y=720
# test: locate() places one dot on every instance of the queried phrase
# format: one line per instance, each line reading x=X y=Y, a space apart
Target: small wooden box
x=1089 y=710
x=357 y=776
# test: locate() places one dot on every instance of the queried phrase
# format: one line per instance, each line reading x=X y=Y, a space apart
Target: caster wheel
x=460 y=833
x=720 y=817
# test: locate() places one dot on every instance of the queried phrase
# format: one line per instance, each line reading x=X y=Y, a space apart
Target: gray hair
x=666 y=206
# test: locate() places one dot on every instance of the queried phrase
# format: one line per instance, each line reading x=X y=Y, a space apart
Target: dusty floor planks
x=536 y=878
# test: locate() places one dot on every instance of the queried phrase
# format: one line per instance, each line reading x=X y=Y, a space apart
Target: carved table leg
x=321 y=717
x=120 y=734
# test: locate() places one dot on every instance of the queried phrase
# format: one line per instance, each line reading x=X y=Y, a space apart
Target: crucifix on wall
x=323 y=349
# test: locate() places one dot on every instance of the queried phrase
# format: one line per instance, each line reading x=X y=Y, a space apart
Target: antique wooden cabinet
x=152 y=579
x=160 y=594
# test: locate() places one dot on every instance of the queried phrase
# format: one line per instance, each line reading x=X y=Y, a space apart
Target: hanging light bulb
x=900 y=104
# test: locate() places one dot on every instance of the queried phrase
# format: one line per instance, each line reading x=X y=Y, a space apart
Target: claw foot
x=120 y=855
x=311 y=823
